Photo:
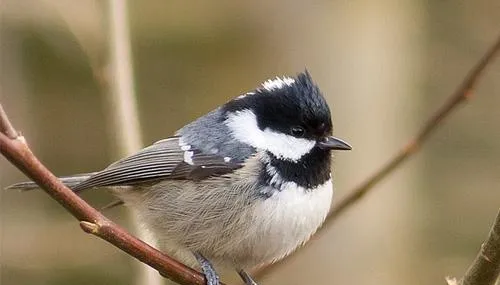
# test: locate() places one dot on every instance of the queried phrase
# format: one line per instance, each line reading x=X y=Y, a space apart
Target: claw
x=208 y=270
x=246 y=277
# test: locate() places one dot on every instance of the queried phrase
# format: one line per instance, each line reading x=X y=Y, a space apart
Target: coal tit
x=242 y=186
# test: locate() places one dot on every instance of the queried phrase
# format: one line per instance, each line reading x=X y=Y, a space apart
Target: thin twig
x=91 y=220
x=462 y=93
x=5 y=125
x=485 y=268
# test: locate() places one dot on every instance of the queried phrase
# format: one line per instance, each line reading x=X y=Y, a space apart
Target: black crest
x=282 y=104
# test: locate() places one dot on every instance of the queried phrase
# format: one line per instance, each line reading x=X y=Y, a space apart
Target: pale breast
x=288 y=218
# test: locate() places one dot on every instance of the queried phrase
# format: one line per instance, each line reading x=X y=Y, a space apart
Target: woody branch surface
x=460 y=95
x=16 y=150
x=486 y=267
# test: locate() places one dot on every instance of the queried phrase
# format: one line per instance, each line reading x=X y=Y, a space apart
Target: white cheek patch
x=243 y=125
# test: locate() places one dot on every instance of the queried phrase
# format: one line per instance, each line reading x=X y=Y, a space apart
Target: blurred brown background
x=384 y=66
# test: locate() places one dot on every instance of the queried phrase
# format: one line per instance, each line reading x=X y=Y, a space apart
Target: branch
x=5 y=125
x=485 y=268
x=463 y=92
x=15 y=149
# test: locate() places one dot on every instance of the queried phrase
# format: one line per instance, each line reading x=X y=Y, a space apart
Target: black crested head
x=293 y=106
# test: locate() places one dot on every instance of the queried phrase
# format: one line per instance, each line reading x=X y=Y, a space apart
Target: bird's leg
x=246 y=277
x=208 y=270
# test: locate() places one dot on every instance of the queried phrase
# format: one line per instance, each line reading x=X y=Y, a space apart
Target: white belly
x=286 y=220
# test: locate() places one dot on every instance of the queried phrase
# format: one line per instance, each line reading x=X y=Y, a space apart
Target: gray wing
x=166 y=159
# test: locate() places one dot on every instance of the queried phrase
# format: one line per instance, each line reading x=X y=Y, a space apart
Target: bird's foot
x=246 y=277
x=208 y=270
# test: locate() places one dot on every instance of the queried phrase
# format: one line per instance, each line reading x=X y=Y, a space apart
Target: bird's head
x=287 y=117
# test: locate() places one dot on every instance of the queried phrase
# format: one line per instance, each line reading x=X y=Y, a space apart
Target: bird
x=242 y=186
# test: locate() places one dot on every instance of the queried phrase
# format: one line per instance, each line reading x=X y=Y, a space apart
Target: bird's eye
x=297 y=131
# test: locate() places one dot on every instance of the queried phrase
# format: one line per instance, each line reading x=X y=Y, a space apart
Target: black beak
x=333 y=143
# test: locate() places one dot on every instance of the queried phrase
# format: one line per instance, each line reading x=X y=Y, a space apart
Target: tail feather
x=70 y=181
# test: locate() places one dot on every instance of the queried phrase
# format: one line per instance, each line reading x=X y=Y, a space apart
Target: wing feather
x=162 y=160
